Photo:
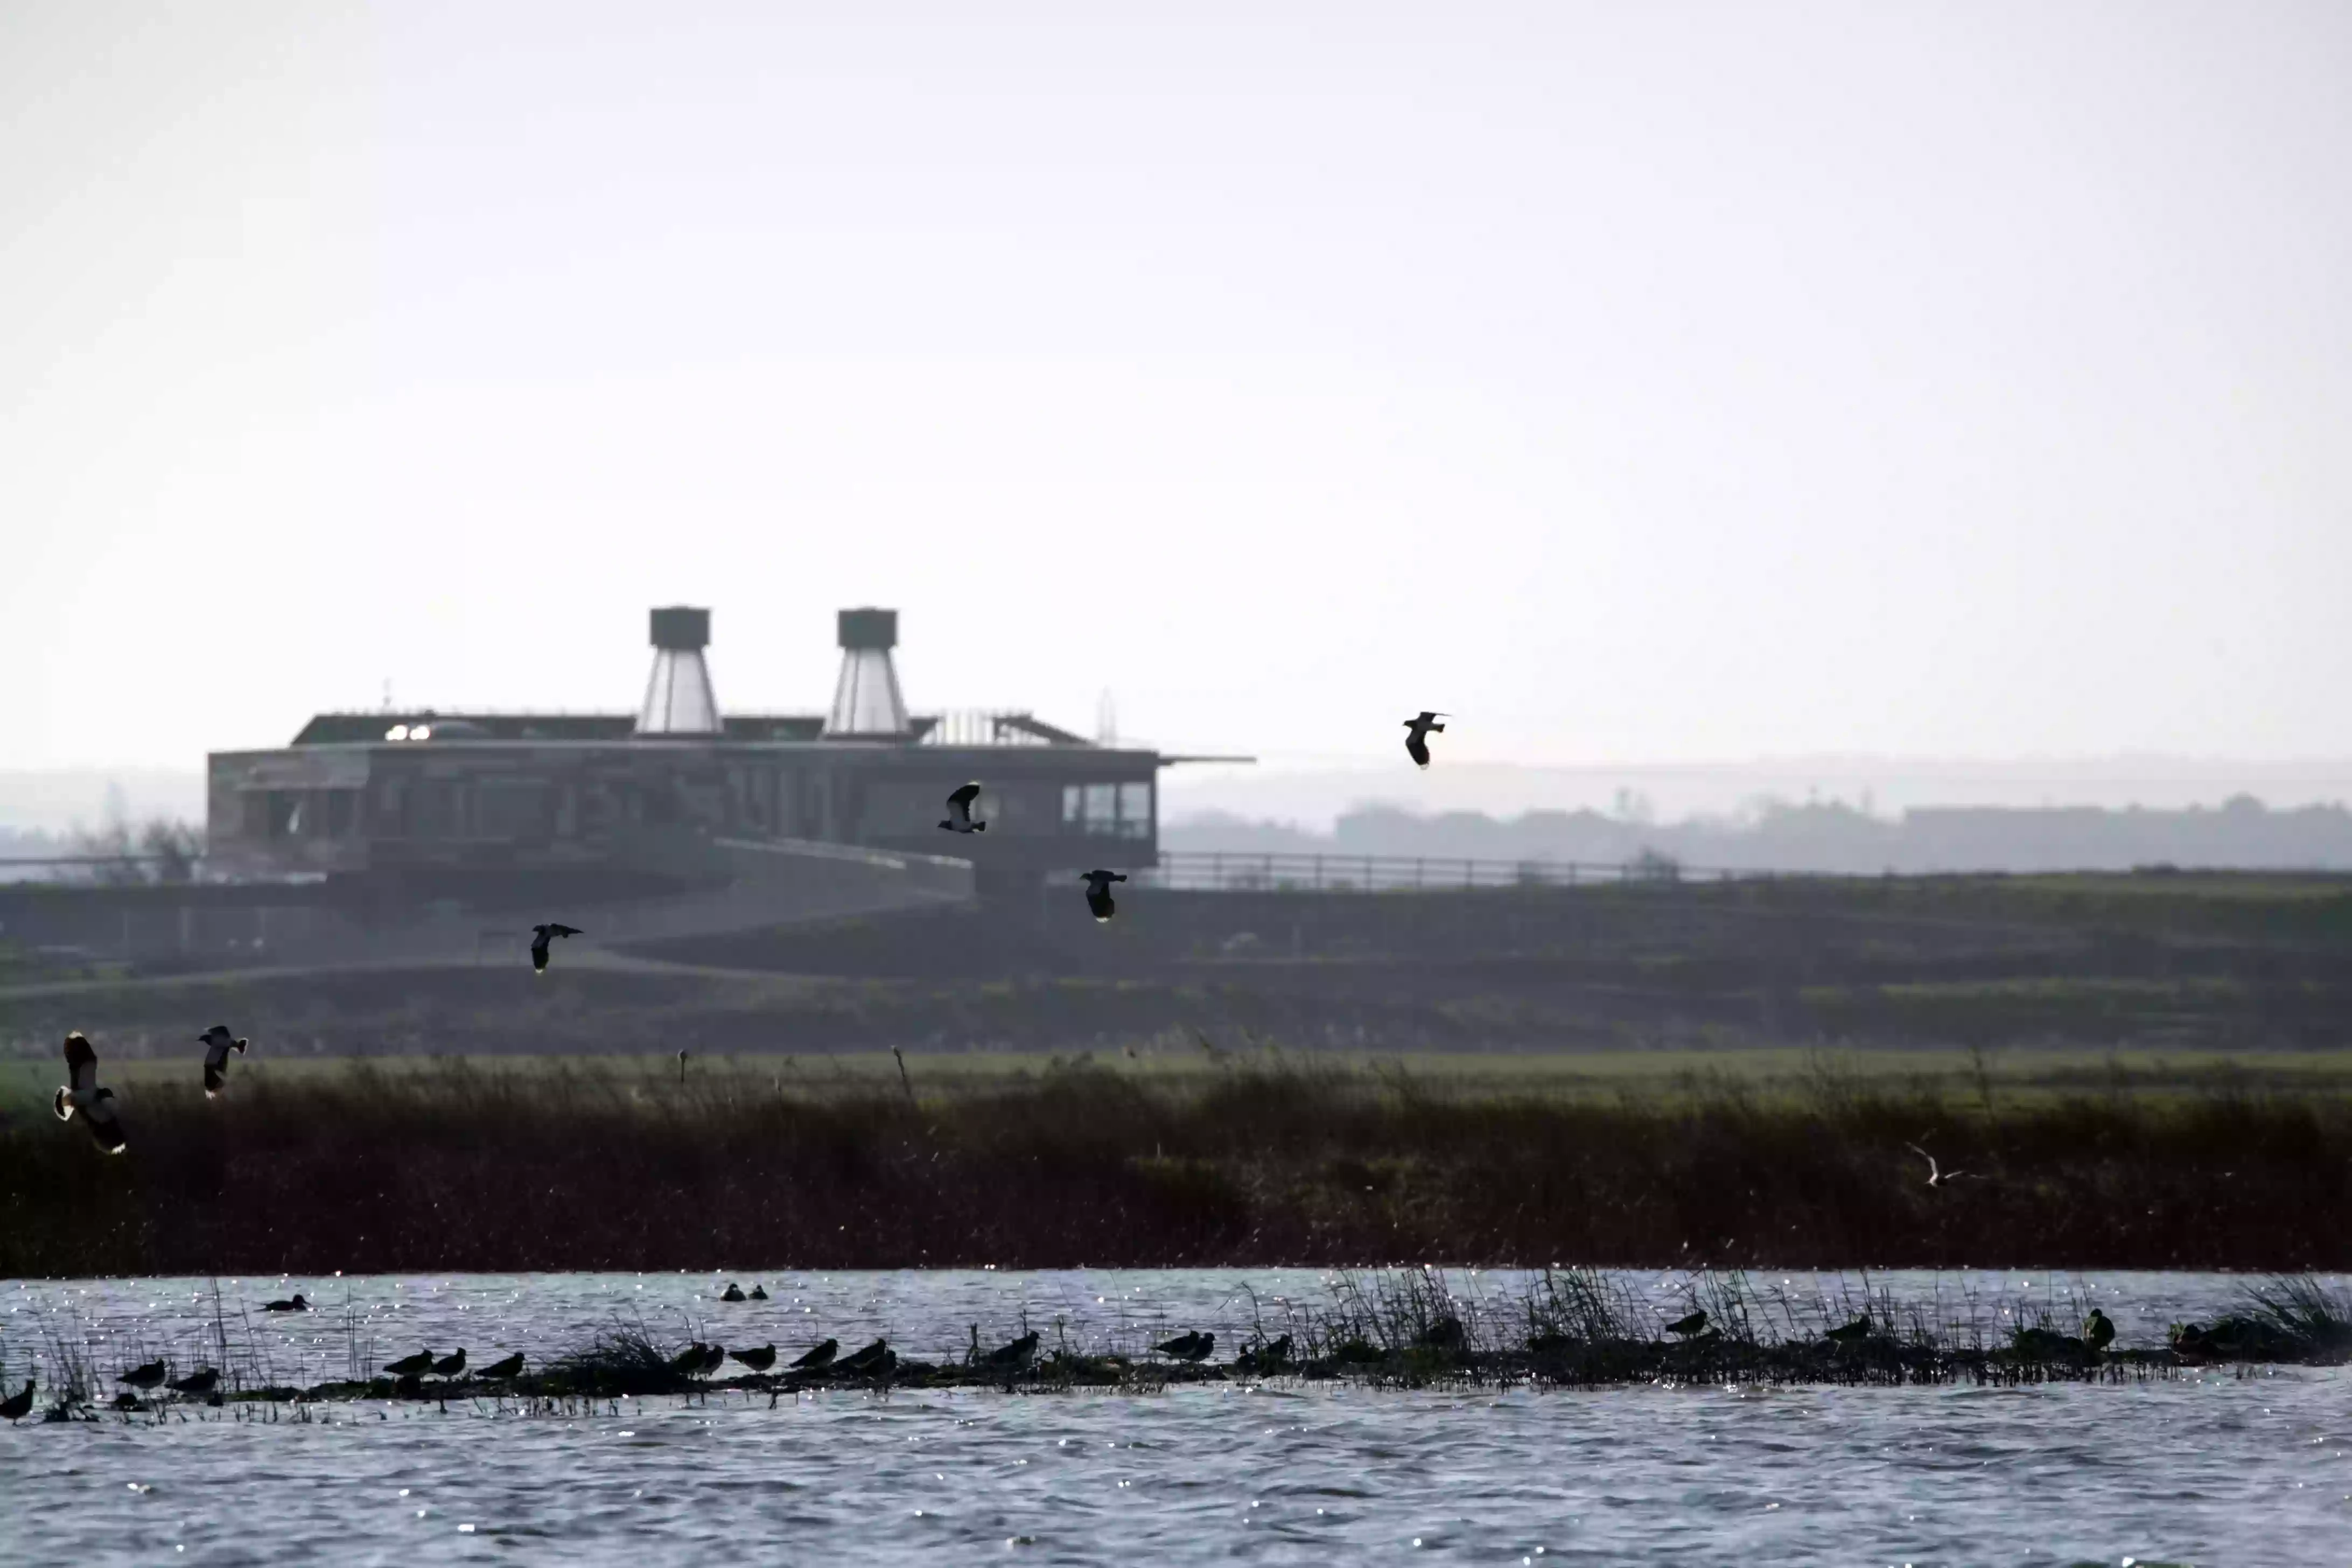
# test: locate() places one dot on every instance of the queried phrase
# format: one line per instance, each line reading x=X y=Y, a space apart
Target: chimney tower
x=866 y=700
x=678 y=698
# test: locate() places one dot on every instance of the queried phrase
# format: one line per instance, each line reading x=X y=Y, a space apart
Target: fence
x=1212 y=871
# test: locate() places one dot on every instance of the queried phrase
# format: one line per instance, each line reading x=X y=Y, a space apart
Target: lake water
x=2219 y=1468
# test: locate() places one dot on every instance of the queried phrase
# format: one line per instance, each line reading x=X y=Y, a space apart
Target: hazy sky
x=1638 y=381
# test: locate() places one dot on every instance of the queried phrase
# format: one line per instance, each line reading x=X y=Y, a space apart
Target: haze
x=1637 y=382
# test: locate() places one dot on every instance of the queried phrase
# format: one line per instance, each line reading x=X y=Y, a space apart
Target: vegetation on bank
x=1249 y=1160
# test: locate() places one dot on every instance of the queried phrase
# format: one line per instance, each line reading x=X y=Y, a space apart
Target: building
x=499 y=810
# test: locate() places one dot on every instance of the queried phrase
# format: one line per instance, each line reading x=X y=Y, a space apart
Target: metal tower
x=678 y=698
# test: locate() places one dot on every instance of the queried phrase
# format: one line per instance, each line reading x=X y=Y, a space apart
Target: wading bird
x=1266 y=1357
x=16 y=1406
x=218 y=1043
x=299 y=1304
x=1937 y=1175
x=1014 y=1356
x=2098 y=1332
x=1416 y=745
x=411 y=1365
x=450 y=1365
x=959 y=817
x=82 y=1094
x=502 y=1370
x=197 y=1382
x=867 y=1359
x=1849 y=1334
x=689 y=1362
x=148 y=1376
x=1099 y=903
x=758 y=1360
x=713 y=1358
x=541 y=936
x=1188 y=1346
x=820 y=1358
x=1686 y=1327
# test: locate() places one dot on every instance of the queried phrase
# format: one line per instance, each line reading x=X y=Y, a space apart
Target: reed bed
x=1261 y=1160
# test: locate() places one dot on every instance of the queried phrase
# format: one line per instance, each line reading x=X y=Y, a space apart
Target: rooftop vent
x=866 y=700
x=678 y=700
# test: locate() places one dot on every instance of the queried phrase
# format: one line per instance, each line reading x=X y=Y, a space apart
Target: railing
x=1212 y=871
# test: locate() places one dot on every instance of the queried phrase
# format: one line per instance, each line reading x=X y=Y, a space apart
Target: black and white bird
x=197 y=1382
x=865 y=1360
x=502 y=1370
x=1014 y=1356
x=19 y=1405
x=1849 y=1334
x=299 y=1304
x=713 y=1358
x=1684 y=1328
x=148 y=1376
x=82 y=1094
x=689 y=1362
x=541 y=936
x=1098 y=899
x=218 y=1043
x=758 y=1360
x=733 y=1292
x=1416 y=745
x=1188 y=1346
x=820 y=1358
x=411 y=1365
x=959 y=817
x=2098 y=1330
x=1936 y=1174
x=450 y=1365
x=759 y=1293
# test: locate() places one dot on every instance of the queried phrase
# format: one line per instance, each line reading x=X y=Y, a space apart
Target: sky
x=1638 y=383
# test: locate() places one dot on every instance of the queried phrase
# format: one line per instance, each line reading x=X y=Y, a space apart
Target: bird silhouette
x=198 y=1383
x=218 y=1044
x=713 y=1358
x=758 y=1360
x=450 y=1365
x=541 y=936
x=147 y=1377
x=1014 y=1356
x=299 y=1304
x=502 y=1370
x=959 y=817
x=689 y=1362
x=19 y=1405
x=411 y=1365
x=1098 y=899
x=81 y=1093
x=2098 y=1332
x=759 y=1293
x=818 y=1358
x=1271 y=1354
x=867 y=1359
x=1937 y=1175
x=1850 y=1333
x=1686 y=1327
x=733 y=1292
x=1416 y=745
x=1188 y=1346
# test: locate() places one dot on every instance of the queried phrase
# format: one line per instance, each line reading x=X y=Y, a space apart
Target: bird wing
x=565 y=931
x=965 y=795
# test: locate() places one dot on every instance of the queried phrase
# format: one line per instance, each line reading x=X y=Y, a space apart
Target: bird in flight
x=1936 y=1174
x=1098 y=898
x=1416 y=745
x=959 y=817
x=218 y=1043
x=82 y=1094
x=542 y=936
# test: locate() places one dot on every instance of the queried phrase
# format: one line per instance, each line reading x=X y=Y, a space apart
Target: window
x=1102 y=808
x=1074 y=804
x=1135 y=811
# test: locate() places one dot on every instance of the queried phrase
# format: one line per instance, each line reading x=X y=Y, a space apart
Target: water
x=2217 y=1467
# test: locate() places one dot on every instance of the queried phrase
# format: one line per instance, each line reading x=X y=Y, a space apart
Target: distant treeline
x=1830 y=837
x=457 y=1167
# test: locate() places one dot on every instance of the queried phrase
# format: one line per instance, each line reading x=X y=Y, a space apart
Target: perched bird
x=299 y=1304
x=197 y=1382
x=820 y=1358
x=1937 y=1175
x=1266 y=1357
x=217 y=1045
x=148 y=1376
x=689 y=1362
x=450 y=1365
x=1850 y=1333
x=1098 y=899
x=713 y=1358
x=733 y=1292
x=16 y=1406
x=865 y=1359
x=1015 y=1356
x=411 y=1365
x=958 y=818
x=1686 y=1327
x=502 y=1370
x=758 y=1293
x=1188 y=1346
x=81 y=1093
x=2098 y=1332
x=758 y=1360
x=541 y=937
x=1416 y=745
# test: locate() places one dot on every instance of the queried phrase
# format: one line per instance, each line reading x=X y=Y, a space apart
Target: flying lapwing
x=867 y=1359
x=1686 y=1327
x=81 y=1093
x=1936 y=1174
x=959 y=817
x=758 y=1360
x=299 y=1304
x=450 y=1365
x=541 y=936
x=19 y=1405
x=411 y=1365
x=1849 y=1334
x=1416 y=745
x=820 y=1358
x=218 y=1043
x=197 y=1382
x=1188 y=1346
x=2098 y=1332
x=1098 y=899
x=500 y=1371
x=149 y=1377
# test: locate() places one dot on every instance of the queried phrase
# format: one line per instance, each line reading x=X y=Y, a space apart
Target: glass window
x=1074 y=803
x=1102 y=808
x=1135 y=803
